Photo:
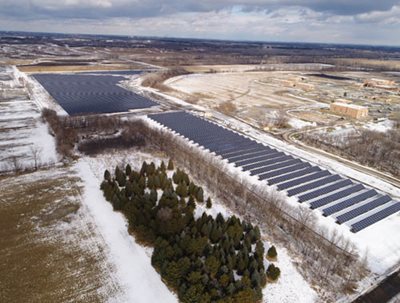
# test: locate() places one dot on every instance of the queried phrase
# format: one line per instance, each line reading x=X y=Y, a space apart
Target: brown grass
x=41 y=257
x=228 y=108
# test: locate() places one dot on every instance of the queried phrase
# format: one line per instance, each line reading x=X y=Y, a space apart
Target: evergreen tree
x=162 y=166
x=120 y=177
x=170 y=165
x=272 y=254
x=216 y=234
x=150 y=182
x=192 y=189
x=191 y=204
x=259 y=253
x=257 y=233
x=224 y=280
x=200 y=195
x=153 y=195
x=255 y=279
x=230 y=289
x=107 y=175
x=205 y=230
x=182 y=190
x=128 y=170
x=212 y=264
x=128 y=189
x=209 y=204
x=157 y=181
x=143 y=169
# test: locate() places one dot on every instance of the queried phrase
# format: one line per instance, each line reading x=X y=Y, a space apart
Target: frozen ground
x=298 y=124
x=24 y=138
x=381 y=126
x=113 y=226
x=38 y=94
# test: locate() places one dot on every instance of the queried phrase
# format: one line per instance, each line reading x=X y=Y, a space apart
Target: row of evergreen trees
x=203 y=259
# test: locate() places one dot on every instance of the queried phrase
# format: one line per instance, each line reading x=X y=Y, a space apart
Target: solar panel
x=324 y=190
x=232 y=152
x=336 y=196
x=251 y=155
x=285 y=170
x=386 y=212
x=312 y=185
x=304 y=179
x=269 y=168
x=363 y=209
x=263 y=161
x=293 y=175
x=248 y=155
x=349 y=202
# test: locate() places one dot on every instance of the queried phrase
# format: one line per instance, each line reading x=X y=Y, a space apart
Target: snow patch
x=139 y=280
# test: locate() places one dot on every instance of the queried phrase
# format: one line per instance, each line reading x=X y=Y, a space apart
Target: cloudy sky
x=336 y=21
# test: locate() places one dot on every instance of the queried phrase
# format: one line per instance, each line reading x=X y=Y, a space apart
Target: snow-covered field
x=137 y=278
x=381 y=126
x=24 y=138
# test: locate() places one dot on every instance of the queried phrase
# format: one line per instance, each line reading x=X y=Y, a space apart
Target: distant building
x=349 y=110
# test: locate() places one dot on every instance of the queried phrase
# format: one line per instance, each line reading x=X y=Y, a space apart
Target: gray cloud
x=94 y=9
x=341 y=21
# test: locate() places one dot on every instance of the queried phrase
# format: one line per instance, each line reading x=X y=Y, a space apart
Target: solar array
x=348 y=202
x=84 y=94
x=113 y=72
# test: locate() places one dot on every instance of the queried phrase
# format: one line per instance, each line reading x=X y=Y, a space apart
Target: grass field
x=49 y=249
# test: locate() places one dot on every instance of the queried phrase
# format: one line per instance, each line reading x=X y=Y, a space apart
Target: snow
x=139 y=280
x=381 y=126
x=38 y=93
x=290 y=287
x=23 y=133
x=298 y=124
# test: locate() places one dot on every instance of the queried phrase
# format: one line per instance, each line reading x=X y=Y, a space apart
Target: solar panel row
x=285 y=170
x=363 y=209
x=307 y=182
x=324 y=190
x=336 y=196
x=293 y=175
x=349 y=202
x=304 y=179
x=360 y=225
x=312 y=185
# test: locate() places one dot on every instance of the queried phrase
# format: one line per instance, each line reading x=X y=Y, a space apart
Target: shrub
x=273 y=272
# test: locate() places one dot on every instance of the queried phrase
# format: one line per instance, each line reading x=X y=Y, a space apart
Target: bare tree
x=15 y=164
x=36 y=152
